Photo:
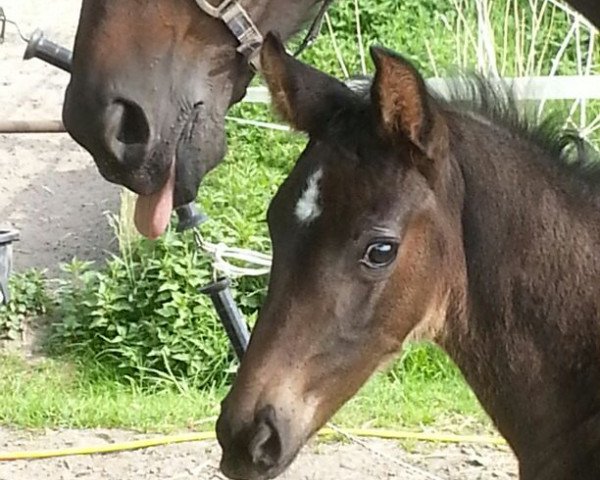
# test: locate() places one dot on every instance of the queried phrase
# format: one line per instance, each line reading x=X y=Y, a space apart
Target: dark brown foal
x=408 y=212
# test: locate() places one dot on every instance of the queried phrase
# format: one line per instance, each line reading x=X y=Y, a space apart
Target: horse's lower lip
x=237 y=474
x=140 y=187
x=137 y=180
x=186 y=151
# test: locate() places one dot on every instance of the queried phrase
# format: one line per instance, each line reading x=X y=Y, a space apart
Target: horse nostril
x=265 y=446
x=132 y=127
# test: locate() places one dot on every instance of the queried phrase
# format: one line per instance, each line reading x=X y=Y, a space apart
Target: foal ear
x=302 y=95
x=404 y=106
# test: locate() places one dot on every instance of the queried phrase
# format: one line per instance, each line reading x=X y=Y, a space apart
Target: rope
x=204 y=436
x=256 y=263
x=3 y=21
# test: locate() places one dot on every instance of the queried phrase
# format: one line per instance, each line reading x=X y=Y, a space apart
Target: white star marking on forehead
x=308 y=207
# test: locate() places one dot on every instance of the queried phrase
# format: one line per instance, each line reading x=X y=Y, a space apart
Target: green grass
x=55 y=393
x=422 y=389
x=414 y=404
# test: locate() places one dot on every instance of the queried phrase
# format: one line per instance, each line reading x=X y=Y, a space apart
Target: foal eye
x=380 y=254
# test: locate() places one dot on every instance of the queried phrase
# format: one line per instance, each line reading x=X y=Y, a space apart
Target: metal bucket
x=7 y=237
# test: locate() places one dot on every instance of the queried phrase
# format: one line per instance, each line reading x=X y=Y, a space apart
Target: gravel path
x=318 y=461
x=49 y=187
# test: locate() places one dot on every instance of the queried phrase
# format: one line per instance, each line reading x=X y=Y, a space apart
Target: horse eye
x=380 y=254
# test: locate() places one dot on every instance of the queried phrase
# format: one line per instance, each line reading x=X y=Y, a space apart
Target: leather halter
x=240 y=24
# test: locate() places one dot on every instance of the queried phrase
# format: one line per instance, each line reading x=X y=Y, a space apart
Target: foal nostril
x=265 y=446
x=132 y=125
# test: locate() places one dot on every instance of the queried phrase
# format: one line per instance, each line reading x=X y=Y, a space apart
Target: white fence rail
x=575 y=87
x=567 y=87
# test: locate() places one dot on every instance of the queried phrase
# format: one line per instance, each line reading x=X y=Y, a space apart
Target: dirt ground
x=51 y=192
x=382 y=460
x=49 y=187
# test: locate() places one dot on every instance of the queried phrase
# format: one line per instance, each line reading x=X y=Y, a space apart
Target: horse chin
x=199 y=149
x=234 y=471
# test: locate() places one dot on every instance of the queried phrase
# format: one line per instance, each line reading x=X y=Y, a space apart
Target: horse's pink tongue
x=153 y=212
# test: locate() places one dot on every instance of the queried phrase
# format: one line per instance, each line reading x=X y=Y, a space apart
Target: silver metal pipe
x=34 y=126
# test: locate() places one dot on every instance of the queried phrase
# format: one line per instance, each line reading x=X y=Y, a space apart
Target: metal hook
x=232 y=319
x=7 y=237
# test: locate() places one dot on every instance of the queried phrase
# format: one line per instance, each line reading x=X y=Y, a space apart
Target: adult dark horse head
x=151 y=81
x=407 y=212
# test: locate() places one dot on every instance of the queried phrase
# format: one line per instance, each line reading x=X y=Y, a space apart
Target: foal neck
x=528 y=337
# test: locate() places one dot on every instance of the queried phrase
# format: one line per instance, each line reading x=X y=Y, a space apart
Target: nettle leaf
x=122 y=330
x=182 y=357
x=98 y=322
x=167 y=311
x=169 y=286
x=180 y=270
x=179 y=322
x=155 y=352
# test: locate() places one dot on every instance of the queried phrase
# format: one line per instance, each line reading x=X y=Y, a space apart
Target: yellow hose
x=110 y=448
x=202 y=436
x=419 y=436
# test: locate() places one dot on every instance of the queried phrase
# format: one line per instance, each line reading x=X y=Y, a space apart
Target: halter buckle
x=240 y=24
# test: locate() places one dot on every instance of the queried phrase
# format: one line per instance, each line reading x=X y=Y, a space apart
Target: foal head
x=363 y=244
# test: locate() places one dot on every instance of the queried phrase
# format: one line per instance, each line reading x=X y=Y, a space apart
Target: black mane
x=493 y=100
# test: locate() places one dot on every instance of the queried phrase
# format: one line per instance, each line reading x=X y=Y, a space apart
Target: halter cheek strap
x=238 y=21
